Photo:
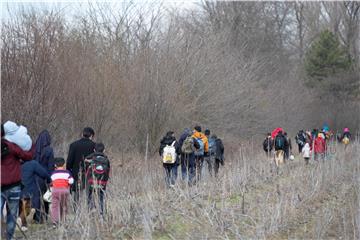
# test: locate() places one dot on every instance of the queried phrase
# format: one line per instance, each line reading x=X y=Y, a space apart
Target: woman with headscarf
x=44 y=155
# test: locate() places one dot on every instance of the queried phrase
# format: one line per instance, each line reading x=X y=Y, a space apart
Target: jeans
x=11 y=197
x=98 y=191
x=188 y=167
x=170 y=173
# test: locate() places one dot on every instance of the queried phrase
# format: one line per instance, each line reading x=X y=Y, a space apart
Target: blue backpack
x=200 y=151
x=212 y=146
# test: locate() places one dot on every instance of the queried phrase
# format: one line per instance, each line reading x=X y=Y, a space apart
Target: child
x=97 y=174
x=61 y=181
x=306 y=151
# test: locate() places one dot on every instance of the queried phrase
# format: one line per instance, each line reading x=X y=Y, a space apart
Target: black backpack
x=98 y=171
x=279 y=142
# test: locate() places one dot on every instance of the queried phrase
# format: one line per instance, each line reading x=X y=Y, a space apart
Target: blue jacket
x=29 y=171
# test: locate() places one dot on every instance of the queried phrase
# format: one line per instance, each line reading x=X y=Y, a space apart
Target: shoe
x=24 y=229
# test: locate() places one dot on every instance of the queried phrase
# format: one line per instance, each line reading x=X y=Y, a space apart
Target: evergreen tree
x=326 y=57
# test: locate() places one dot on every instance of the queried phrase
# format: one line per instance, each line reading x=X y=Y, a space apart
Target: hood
x=42 y=141
x=10 y=128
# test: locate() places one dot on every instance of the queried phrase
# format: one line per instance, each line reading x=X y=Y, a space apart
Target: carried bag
x=98 y=171
x=346 y=140
x=47 y=196
x=169 y=154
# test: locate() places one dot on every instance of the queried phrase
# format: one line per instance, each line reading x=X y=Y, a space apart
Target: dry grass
x=318 y=201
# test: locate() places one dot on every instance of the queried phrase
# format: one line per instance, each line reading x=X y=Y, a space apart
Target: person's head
x=346 y=130
x=170 y=134
x=59 y=162
x=207 y=132
x=285 y=133
x=268 y=134
x=214 y=136
x=197 y=128
x=88 y=132
x=99 y=147
x=280 y=133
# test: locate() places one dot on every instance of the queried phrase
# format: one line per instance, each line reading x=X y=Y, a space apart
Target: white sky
x=72 y=7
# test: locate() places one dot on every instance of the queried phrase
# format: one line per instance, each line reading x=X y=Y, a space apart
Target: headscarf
x=43 y=141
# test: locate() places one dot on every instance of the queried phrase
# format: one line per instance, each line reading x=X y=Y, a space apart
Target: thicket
x=130 y=72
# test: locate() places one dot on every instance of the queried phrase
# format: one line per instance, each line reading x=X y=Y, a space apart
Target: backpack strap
x=173 y=143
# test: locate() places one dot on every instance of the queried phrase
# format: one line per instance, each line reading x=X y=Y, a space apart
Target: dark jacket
x=30 y=170
x=168 y=140
x=268 y=144
x=78 y=150
x=219 y=150
x=11 y=166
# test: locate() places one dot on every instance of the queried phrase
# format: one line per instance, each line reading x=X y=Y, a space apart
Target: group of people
x=28 y=171
x=315 y=141
x=190 y=151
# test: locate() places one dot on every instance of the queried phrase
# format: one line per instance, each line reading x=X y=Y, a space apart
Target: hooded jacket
x=319 y=145
x=199 y=135
x=11 y=166
x=18 y=135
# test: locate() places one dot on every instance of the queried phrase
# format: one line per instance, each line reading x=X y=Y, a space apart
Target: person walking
x=268 y=144
x=218 y=154
x=169 y=150
x=44 y=155
x=98 y=173
x=11 y=155
x=78 y=150
x=61 y=180
x=202 y=151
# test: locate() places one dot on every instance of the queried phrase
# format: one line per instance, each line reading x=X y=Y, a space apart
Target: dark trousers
x=199 y=164
x=99 y=193
x=188 y=167
x=300 y=147
x=170 y=173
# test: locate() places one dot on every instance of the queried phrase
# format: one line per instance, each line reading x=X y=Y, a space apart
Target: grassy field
x=249 y=200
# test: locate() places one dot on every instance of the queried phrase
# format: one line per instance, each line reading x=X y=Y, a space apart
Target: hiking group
x=310 y=144
x=192 y=149
x=32 y=178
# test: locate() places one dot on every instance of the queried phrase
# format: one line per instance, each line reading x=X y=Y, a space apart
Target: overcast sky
x=72 y=7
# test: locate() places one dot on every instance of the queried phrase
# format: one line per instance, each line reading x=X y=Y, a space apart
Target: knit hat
x=207 y=132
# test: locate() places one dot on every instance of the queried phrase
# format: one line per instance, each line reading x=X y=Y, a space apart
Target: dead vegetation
x=318 y=201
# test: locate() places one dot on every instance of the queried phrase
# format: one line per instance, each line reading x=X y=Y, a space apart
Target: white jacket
x=18 y=135
x=306 y=151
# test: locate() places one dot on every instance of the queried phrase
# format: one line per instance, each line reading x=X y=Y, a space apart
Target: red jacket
x=11 y=166
x=319 y=145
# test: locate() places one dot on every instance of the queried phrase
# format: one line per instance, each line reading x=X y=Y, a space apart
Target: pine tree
x=326 y=57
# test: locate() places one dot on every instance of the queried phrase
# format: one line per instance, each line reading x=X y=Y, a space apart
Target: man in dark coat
x=78 y=150
x=170 y=168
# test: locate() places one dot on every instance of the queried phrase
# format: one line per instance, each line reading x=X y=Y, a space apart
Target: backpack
x=212 y=146
x=98 y=171
x=200 y=151
x=279 y=142
x=345 y=140
x=188 y=145
x=169 y=154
